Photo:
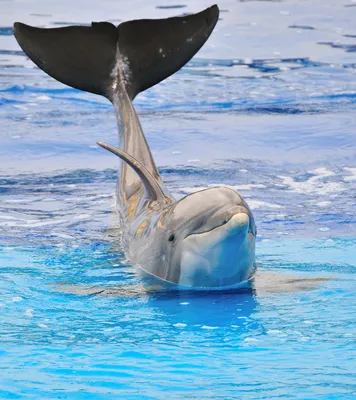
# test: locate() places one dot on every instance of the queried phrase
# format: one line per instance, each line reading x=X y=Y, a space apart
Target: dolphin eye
x=171 y=238
x=225 y=220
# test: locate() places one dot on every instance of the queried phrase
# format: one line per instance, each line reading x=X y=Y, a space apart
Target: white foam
x=7 y=217
x=324 y=229
x=248 y=186
x=29 y=312
x=276 y=215
x=351 y=177
x=12 y=223
x=254 y=204
x=62 y=235
x=180 y=325
x=31 y=223
x=21 y=107
x=304 y=339
x=19 y=201
x=88 y=198
x=275 y=332
x=323 y=203
x=45 y=223
x=8 y=248
x=82 y=216
x=315 y=184
x=250 y=340
x=43 y=98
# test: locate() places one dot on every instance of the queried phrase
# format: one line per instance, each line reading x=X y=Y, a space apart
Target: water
x=268 y=107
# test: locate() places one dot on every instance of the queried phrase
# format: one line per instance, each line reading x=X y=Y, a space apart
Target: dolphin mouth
x=235 y=230
x=232 y=226
x=222 y=256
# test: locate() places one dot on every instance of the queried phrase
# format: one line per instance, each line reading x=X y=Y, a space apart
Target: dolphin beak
x=220 y=257
x=239 y=222
x=236 y=226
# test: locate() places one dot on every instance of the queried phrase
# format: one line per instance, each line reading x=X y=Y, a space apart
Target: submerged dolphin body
x=204 y=240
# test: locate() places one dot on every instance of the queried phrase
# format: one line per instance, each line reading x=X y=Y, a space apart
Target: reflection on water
x=207 y=311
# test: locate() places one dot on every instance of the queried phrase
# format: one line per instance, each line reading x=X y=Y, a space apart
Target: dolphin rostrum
x=204 y=240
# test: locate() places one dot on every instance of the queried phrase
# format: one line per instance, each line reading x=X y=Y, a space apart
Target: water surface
x=267 y=107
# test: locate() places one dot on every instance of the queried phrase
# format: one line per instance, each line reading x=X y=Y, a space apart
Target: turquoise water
x=267 y=107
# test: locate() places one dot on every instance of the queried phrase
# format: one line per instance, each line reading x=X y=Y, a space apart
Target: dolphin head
x=209 y=239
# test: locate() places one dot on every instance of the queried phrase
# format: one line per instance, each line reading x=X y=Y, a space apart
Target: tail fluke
x=79 y=56
x=146 y=51
x=156 y=49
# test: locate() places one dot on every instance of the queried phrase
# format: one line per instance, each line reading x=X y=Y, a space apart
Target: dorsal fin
x=152 y=187
x=146 y=51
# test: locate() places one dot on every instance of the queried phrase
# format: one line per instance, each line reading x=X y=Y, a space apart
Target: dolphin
x=206 y=240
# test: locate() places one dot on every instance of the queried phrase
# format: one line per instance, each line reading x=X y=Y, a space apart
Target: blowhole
x=171 y=238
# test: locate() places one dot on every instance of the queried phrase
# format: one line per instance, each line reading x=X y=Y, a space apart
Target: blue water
x=267 y=107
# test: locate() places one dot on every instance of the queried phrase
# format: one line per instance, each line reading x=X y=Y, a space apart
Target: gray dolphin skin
x=205 y=240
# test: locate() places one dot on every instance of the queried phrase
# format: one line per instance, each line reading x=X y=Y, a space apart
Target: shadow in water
x=209 y=310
